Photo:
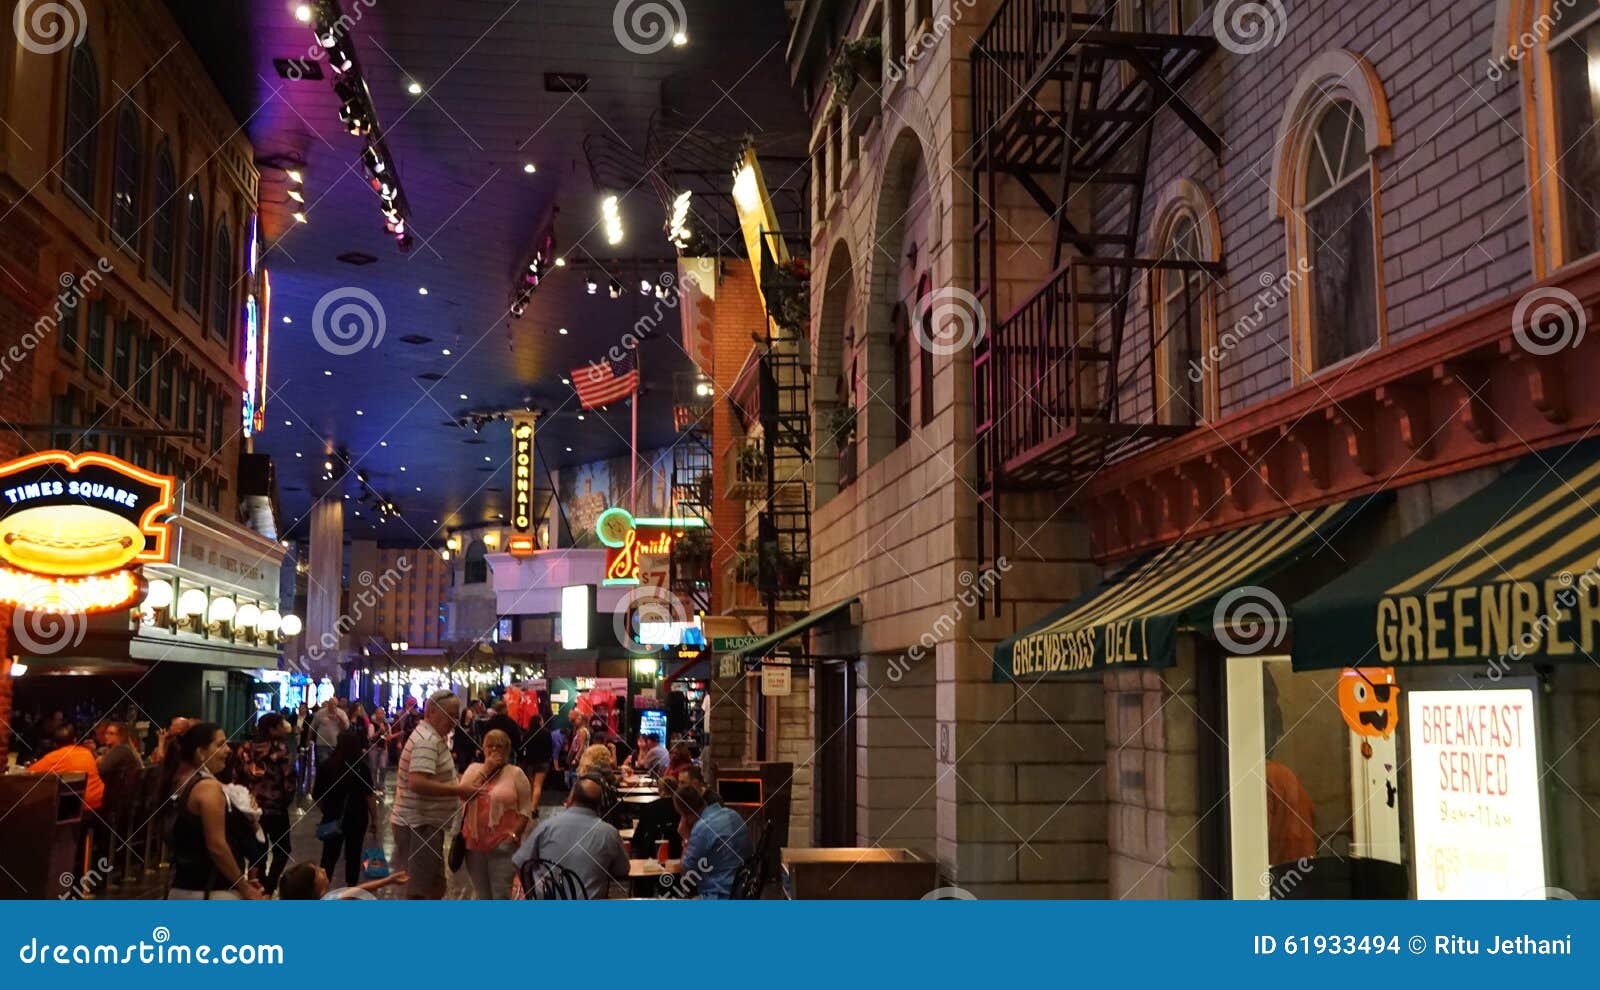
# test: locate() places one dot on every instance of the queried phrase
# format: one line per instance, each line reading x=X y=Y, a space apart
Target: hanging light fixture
x=290 y=626
x=611 y=219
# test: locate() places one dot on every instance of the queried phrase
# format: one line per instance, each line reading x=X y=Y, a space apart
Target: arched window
x=194 y=251
x=127 y=179
x=1339 y=250
x=220 y=323
x=1325 y=185
x=83 y=112
x=1181 y=340
x=476 y=564
x=925 y=352
x=900 y=340
x=1567 y=185
x=164 y=219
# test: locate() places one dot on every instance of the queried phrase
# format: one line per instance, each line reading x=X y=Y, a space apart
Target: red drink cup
x=661 y=851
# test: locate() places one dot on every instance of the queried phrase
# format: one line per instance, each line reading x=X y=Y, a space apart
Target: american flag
x=606 y=381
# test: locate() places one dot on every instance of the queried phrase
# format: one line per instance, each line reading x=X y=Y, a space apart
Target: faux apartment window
x=202 y=411
x=194 y=251
x=1576 y=91
x=67 y=331
x=94 y=342
x=183 y=401
x=64 y=412
x=164 y=379
x=1339 y=243
x=83 y=115
x=143 y=384
x=164 y=220
x=1180 y=328
x=901 y=342
x=122 y=353
x=925 y=352
x=127 y=180
x=217 y=418
x=221 y=283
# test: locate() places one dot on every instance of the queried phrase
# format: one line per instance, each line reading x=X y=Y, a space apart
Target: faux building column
x=324 y=588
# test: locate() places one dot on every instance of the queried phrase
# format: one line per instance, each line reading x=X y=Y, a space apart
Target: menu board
x=1475 y=795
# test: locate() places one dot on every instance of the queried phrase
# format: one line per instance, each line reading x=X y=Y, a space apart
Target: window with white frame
x=1338 y=243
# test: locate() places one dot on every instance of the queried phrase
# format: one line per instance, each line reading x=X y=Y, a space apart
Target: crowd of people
x=467 y=793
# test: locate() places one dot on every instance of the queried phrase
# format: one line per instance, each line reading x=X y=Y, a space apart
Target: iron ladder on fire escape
x=783 y=538
x=689 y=563
x=1060 y=92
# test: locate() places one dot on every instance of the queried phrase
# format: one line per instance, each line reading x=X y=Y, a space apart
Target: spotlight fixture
x=644 y=287
x=302 y=13
x=299 y=217
x=616 y=290
x=592 y=286
x=611 y=217
x=530 y=168
x=415 y=88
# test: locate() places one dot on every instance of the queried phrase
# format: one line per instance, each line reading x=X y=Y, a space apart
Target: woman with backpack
x=349 y=804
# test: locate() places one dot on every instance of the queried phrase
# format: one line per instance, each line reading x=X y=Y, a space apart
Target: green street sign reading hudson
x=728 y=644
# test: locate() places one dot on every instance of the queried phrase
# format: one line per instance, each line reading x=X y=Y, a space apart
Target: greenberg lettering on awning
x=1134 y=618
x=1508 y=576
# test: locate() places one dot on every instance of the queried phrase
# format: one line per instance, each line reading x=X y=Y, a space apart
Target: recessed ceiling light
x=383 y=443
x=565 y=380
x=569 y=450
x=487 y=457
x=530 y=168
x=563 y=331
x=422 y=290
x=445 y=352
x=360 y=413
x=327 y=374
x=298 y=454
x=358 y=513
x=680 y=39
x=288 y=319
x=347 y=498
x=463 y=396
x=302 y=13
x=415 y=89
x=402 y=467
x=419 y=488
x=288 y=423
x=580 y=417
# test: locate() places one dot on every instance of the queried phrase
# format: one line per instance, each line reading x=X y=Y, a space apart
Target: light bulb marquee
x=74 y=528
x=627 y=540
x=521 y=543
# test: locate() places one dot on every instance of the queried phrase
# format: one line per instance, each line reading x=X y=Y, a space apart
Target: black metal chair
x=542 y=880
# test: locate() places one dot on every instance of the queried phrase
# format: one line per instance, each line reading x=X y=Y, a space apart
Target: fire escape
x=1064 y=103
x=783 y=536
x=689 y=562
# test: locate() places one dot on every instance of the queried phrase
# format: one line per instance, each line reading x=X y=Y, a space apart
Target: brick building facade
x=1333 y=226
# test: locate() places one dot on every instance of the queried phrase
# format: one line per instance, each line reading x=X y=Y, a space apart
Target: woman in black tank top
x=204 y=864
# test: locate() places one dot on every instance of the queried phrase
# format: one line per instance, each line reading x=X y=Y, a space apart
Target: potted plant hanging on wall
x=787 y=288
x=858 y=62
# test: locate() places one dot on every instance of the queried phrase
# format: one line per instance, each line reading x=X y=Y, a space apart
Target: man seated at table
x=576 y=838
x=71 y=755
x=652 y=757
x=658 y=820
x=717 y=845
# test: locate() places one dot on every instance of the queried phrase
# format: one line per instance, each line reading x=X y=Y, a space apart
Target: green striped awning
x=1133 y=619
x=1507 y=577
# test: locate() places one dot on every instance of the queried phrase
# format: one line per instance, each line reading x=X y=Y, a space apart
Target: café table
x=649 y=878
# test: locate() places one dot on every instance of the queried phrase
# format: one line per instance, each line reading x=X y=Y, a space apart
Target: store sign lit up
x=521 y=543
x=73 y=526
x=627 y=540
x=1475 y=794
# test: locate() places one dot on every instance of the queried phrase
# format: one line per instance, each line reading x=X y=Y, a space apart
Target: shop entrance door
x=1310 y=810
x=835 y=790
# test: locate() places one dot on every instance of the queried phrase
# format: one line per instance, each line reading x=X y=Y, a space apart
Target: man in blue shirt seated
x=576 y=838
x=718 y=845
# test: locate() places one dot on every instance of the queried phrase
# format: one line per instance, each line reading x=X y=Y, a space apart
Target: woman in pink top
x=495 y=818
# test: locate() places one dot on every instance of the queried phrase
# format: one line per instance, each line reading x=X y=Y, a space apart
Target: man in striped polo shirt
x=427 y=796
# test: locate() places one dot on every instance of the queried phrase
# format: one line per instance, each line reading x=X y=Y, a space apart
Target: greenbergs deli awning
x=1507 y=576
x=762 y=647
x=1133 y=619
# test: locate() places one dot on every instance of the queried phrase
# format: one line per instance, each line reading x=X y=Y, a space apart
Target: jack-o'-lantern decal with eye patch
x=1369 y=700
